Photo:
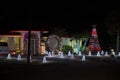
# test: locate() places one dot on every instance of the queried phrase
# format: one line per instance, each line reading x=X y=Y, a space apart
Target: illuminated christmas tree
x=94 y=45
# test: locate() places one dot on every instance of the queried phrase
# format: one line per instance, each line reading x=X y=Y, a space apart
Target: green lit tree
x=82 y=36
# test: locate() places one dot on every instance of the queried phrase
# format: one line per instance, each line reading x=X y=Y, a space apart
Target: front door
x=33 y=46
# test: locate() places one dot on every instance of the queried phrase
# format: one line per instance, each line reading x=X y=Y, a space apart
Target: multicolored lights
x=94 y=45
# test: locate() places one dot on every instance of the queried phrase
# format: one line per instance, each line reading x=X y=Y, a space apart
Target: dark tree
x=112 y=24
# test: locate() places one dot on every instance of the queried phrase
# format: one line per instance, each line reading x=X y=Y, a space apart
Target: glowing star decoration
x=61 y=55
x=44 y=60
x=9 y=56
x=89 y=53
x=49 y=54
x=106 y=53
x=30 y=58
x=102 y=52
x=69 y=53
x=72 y=56
x=79 y=53
x=19 y=57
x=53 y=53
x=119 y=54
x=94 y=45
x=113 y=53
x=98 y=53
x=46 y=52
x=83 y=58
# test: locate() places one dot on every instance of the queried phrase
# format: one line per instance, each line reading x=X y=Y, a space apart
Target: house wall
x=18 y=42
x=13 y=42
x=35 y=46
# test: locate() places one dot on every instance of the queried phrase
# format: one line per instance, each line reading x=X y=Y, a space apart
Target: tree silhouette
x=112 y=24
x=58 y=30
x=81 y=36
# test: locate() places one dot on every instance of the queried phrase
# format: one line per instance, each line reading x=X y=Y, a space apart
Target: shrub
x=66 y=48
x=84 y=50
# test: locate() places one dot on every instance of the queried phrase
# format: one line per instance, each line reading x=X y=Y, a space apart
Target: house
x=18 y=41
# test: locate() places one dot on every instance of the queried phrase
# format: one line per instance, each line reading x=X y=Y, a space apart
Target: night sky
x=72 y=15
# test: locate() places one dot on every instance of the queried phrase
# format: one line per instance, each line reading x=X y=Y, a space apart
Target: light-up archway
x=34 y=43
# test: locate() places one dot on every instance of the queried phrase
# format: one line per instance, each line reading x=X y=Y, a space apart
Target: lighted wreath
x=53 y=42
